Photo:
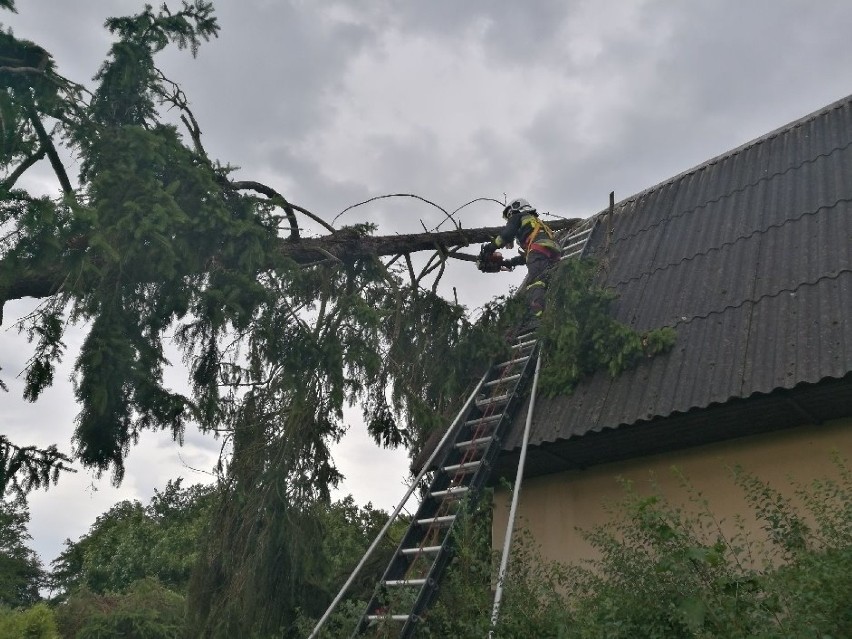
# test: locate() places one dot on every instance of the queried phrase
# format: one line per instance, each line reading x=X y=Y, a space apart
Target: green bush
x=669 y=571
x=36 y=622
x=532 y=604
x=664 y=571
x=148 y=610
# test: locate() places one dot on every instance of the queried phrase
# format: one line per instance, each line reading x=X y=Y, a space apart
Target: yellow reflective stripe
x=498 y=241
x=536 y=284
x=537 y=225
x=532 y=236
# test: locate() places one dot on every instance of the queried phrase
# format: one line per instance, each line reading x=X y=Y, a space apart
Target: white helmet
x=517 y=205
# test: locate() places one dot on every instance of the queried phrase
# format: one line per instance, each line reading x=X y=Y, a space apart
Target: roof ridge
x=737 y=150
x=740 y=189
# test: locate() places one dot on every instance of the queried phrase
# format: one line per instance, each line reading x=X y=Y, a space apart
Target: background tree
x=21 y=573
x=131 y=542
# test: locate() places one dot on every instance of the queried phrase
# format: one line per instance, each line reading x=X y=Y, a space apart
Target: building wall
x=553 y=505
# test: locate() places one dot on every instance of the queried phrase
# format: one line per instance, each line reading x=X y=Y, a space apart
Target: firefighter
x=537 y=248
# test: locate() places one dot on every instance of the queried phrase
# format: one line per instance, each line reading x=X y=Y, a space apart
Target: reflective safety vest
x=532 y=235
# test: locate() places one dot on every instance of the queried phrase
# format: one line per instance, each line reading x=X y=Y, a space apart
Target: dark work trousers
x=537 y=266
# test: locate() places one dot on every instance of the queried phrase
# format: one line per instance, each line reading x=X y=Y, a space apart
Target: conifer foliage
x=580 y=335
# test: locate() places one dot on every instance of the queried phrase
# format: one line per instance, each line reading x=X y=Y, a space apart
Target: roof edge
x=743 y=147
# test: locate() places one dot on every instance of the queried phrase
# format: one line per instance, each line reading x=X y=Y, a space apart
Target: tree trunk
x=343 y=245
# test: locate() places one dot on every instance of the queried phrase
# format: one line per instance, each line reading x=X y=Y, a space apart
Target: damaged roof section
x=749 y=258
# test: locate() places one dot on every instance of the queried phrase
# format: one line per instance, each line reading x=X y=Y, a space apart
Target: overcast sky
x=331 y=103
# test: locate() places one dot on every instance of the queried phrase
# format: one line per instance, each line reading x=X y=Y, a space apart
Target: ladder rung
x=570 y=255
x=466 y=467
x=505 y=380
x=578 y=233
x=483 y=420
x=450 y=492
x=474 y=443
x=499 y=399
x=521 y=338
x=388 y=617
x=525 y=344
x=404 y=582
x=513 y=361
x=446 y=519
x=426 y=550
x=571 y=244
x=571 y=249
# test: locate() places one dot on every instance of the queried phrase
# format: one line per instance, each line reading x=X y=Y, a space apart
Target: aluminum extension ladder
x=466 y=454
x=411 y=580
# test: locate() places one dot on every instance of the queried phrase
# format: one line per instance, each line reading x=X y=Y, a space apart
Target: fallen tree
x=281 y=318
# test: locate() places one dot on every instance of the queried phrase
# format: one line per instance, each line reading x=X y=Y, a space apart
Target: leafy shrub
x=532 y=604
x=131 y=542
x=36 y=622
x=669 y=571
x=666 y=571
x=580 y=336
x=148 y=610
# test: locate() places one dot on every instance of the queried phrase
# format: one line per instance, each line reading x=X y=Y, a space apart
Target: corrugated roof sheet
x=749 y=258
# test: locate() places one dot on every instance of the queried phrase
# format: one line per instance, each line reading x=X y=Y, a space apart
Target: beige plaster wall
x=551 y=506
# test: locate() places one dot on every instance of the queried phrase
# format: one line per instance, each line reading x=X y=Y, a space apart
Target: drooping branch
x=24 y=468
x=274 y=198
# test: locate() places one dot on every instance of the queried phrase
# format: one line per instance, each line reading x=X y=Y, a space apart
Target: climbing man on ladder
x=537 y=247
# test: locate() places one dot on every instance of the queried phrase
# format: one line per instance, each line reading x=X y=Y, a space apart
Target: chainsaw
x=491 y=262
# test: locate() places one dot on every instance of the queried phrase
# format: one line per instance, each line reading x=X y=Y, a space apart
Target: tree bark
x=346 y=244
x=342 y=245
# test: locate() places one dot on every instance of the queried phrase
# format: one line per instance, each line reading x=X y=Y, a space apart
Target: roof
x=749 y=258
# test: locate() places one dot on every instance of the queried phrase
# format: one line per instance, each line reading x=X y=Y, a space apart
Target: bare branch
x=411 y=270
x=390 y=195
x=466 y=204
x=47 y=145
x=178 y=99
x=9 y=182
x=275 y=198
x=439 y=275
x=315 y=218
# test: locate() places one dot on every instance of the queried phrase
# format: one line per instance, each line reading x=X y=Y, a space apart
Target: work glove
x=518 y=260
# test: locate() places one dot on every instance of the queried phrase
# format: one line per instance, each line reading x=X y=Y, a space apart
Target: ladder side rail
x=510 y=526
x=453 y=427
x=477 y=481
x=589 y=237
x=427 y=594
x=489 y=456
